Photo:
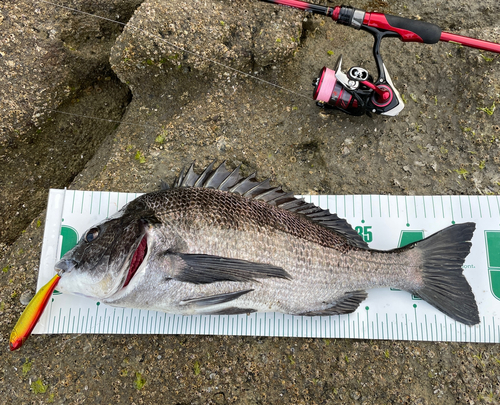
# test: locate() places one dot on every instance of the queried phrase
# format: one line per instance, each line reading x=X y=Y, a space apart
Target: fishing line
x=102 y=119
x=177 y=47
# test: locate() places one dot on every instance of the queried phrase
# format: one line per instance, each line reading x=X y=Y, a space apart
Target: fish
x=218 y=243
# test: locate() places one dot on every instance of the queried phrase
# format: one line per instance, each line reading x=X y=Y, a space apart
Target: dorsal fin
x=230 y=180
x=217 y=177
x=190 y=177
x=205 y=175
x=244 y=185
x=249 y=187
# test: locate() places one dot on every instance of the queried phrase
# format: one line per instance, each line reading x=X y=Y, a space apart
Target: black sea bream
x=216 y=243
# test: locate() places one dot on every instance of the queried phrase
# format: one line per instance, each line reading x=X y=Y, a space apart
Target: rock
x=53 y=58
x=26 y=297
x=49 y=55
x=169 y=38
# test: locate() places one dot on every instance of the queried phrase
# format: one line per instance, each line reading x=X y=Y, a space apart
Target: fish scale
x=217 y=243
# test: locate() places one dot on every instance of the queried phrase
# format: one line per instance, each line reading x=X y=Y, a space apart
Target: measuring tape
x=385 y=222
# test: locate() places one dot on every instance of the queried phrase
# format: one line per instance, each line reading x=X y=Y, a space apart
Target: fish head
x=108 y=254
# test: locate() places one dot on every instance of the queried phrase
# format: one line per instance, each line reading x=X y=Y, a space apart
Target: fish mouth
x=139 y=255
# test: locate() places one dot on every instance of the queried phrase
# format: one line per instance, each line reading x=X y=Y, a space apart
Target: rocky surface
x=184 y=108
x=53 y=59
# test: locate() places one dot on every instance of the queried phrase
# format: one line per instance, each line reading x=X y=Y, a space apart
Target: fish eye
x=92 y=234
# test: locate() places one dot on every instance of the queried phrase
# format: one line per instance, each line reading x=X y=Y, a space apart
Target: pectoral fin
x=205 y=269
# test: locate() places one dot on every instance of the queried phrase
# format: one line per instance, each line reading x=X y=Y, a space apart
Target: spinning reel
x=356 y=92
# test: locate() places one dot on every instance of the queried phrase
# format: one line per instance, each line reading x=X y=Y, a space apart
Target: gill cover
x=98 y=265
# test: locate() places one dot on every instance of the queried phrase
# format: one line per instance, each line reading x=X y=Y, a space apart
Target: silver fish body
x=219 y=244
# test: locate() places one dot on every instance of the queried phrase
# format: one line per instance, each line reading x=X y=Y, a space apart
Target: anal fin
x=347 y=304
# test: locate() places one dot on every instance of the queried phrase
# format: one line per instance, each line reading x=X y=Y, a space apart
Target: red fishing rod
x=355 y=92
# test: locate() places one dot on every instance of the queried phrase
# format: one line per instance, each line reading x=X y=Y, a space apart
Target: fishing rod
x=355 y=92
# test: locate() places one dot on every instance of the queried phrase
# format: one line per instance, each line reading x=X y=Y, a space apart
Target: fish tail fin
x=445 y=287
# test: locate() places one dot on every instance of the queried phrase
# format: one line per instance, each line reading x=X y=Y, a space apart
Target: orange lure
x=31 y=314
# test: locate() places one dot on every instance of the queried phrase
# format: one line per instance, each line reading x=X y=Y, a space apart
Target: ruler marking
x=452 y=212
x=73 y=203
x=397 y=331
x=349 y=325
x=78 y=322
x=104 y=320
x=109 y=202
x=416 y=321
x=87 y=322
x=479 y=206
x=69 y=318
x=113 y=323
x=387 y=324
x=96 y=312
x=83 y=200
x=359 y=333
x=426 y=331
x=406 y=211
x=406 y=321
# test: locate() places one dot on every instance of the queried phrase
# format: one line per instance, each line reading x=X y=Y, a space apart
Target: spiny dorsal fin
x=244 y=185
x=217 y=177
x=249 y=187
x=231 y=180
x=190 y=178
x=205 y=175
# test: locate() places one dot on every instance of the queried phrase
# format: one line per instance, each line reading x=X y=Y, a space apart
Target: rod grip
x=407 y=29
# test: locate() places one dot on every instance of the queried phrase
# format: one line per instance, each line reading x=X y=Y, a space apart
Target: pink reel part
x=326 y=84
